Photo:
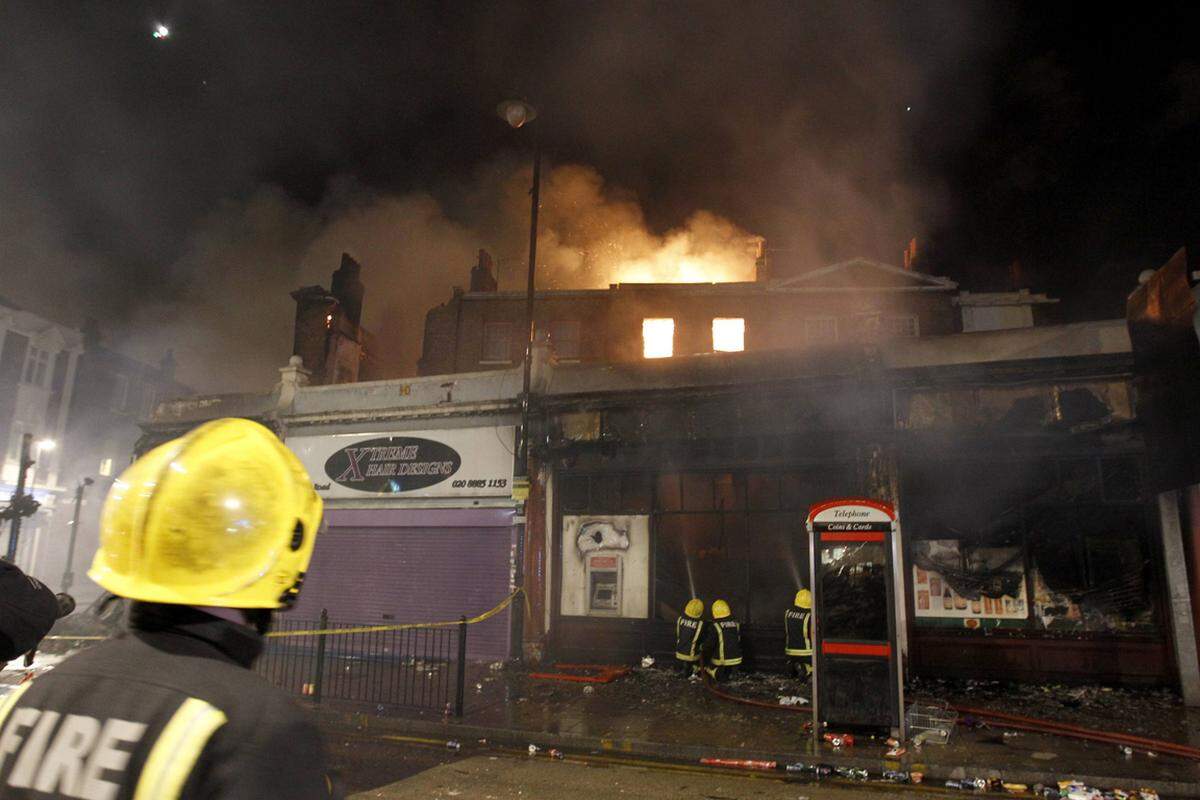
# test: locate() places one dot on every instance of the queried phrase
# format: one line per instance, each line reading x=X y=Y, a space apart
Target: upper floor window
x=728 y=335
x=564 y=337
x=820 y=329
x=36 y=366
x=497 y=343
x=658 y=337
x=120 y=396
x=902 y=326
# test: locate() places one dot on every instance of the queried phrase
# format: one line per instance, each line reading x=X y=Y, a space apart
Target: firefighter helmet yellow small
x=804 y=599
x=223 y=516
x=720 y=609
x=694 y=608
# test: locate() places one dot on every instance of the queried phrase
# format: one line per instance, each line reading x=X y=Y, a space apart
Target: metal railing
x=414 y=667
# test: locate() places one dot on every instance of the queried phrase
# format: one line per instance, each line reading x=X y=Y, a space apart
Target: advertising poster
x=985 y=583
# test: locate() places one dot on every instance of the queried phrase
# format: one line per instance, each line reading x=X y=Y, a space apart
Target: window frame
x=557 y=325
x=741 y=349
x=674 y=327
x=487 y=338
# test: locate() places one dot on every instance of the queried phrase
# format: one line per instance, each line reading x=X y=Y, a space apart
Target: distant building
x=328 y=333
x=38 y=362
x=111 y=394
x=857 y=301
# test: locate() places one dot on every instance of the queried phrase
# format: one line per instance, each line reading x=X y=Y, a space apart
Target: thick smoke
x=235 y=311
x=178 y=189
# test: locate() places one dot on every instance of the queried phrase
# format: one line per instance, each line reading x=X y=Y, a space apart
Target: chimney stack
x=483 y=278
x=910 y=254
x=348 y=290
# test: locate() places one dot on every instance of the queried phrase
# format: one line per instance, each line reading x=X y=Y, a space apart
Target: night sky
x=177 y=188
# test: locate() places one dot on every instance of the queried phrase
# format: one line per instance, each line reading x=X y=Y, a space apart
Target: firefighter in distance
x=797 y=622
x=722 y=642
x=689 y=634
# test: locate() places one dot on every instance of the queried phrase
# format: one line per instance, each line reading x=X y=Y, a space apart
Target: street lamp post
x=18 y=498
x=518 y=113
x=69 y=577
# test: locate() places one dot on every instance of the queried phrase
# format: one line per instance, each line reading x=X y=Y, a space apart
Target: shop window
x=658 y=337
x=1122 y=480
x=778 y=555
x=728 y=335
x=697 y=491
x=1092 y=570
x=667 y=494
x=700 y=555
x=636 y=493
x=606 y=494
x=574 y=493
x=497 y=343
x=565 y=338
x=762 y=491
x=729 y=494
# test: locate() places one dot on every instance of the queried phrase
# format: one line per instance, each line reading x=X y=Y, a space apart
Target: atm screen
x=603 y=590
x=854 y=592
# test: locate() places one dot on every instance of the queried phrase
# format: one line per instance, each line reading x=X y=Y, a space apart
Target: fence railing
x=415 y=667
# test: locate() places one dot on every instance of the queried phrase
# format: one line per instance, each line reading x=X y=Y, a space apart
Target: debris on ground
x=647 y=662
x=792 y=700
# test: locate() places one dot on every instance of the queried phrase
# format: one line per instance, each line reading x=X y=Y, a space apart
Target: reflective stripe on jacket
x=165 y=711
x=797 y=623
x=687 y=638
x=727 y=643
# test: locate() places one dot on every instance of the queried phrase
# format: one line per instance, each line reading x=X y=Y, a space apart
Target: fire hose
x=1030 y=724
x=1033 y=724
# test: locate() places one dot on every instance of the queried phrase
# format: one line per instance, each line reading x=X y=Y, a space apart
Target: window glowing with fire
x=658 y=337
x=729 y=335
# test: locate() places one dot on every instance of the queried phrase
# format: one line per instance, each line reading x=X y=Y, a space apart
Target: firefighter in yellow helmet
x=722 y=642
x=205 y=535
x=797 y=623
x=689 y=631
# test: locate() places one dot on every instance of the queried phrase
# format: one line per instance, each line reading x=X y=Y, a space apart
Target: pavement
x=657 y=714
x=509 y=778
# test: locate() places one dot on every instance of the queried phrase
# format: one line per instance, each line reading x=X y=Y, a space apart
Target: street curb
x=935 y=774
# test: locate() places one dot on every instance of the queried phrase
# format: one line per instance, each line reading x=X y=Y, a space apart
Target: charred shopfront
x=1029 y=546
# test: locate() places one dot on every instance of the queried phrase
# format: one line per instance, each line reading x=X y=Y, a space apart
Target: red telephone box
x=857 y=673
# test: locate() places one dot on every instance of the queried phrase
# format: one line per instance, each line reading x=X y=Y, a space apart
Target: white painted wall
x=635 y=577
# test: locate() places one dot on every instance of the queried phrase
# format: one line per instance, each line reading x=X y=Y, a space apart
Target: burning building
x=1011 y=450
x=856 y=301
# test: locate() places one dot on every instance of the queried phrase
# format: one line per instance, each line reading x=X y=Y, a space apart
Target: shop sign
x=469 y=462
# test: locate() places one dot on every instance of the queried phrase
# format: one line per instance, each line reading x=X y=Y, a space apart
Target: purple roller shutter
x=378 y=575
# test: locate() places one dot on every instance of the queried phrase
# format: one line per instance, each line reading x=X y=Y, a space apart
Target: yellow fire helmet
x=223 y=516
x=804 y=599
x=694 y=608
x=720 y=609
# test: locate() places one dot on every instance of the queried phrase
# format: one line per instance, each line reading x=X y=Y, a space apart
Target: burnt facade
x=852 y=302
x=1030 y=549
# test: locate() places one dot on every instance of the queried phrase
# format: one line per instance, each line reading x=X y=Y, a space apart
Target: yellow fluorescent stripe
x=10 y=700
x=178 y=748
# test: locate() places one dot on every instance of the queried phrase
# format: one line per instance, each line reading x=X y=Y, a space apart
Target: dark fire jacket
x=166 y=709
x=27 y=611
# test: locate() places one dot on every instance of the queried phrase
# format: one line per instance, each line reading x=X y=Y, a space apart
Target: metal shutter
x=414 y=574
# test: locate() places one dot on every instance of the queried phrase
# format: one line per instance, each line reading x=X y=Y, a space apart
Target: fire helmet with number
x=720 y=609
x=223 y=516
x=804 y=599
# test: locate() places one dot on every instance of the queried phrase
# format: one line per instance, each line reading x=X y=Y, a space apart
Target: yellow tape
x=491 y=612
